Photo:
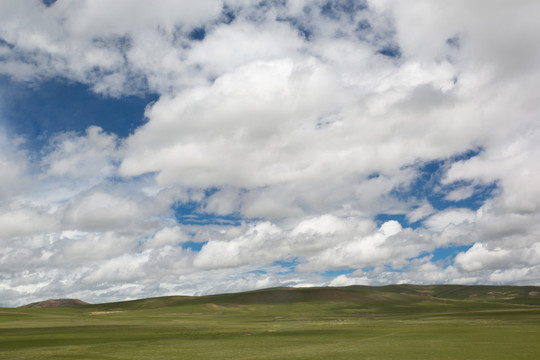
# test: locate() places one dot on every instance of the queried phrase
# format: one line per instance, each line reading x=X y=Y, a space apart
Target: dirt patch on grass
x=104 y=312
x=215 y=306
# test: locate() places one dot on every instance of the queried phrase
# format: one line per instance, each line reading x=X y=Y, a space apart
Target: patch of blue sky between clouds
x=389 y=268
x=305 y=29
x=48 y=2
x=193 y=245
x=4 y=43
x=392 y=51
x=336 y=273
x=42 y=110
x=444 y=255
x=197 y=34
x=454 y=42
x=428 y=186
x=335 y=9
x=227 y=14
x=190 y=213
x=400 y=218
x=288 y=265
x=258 y=272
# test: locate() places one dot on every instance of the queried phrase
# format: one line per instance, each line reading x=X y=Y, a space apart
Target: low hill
x=368 y=296
x=54 y=303
x=388 y=322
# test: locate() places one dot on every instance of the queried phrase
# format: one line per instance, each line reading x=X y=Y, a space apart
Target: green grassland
x=390 y=322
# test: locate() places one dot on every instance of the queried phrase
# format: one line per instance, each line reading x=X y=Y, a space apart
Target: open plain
x=390 y=322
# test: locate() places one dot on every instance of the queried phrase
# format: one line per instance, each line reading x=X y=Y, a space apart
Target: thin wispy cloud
x=194 y=148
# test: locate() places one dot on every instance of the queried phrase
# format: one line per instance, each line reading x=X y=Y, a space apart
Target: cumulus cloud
x=355 y=252
x=450 y=218
x=100 y=44
x=478 y=257
x=294 y=123
x=14 y=166
x=421 y=212
x=87 y=156
x=460 y=194
x=20 y=219
x=344 y=280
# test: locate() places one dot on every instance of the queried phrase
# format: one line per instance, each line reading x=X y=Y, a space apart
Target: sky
x=201 y=147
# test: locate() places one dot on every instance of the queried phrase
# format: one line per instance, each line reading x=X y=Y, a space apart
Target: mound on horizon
x=55 y=303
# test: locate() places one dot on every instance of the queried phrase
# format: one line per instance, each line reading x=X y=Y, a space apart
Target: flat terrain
x=391 y=322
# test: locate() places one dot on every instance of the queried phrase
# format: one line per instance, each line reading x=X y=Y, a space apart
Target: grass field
x=393 y=322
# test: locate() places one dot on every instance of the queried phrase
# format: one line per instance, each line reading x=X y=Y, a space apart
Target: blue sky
x=208 y=147
x=37 y=111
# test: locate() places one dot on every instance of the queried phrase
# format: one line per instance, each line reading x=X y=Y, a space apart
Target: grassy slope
x=391 y=322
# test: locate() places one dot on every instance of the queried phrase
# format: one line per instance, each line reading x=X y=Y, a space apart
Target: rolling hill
x=367 y=295
x=387 y=322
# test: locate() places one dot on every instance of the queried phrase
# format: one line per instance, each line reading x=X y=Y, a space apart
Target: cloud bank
x=291 y=144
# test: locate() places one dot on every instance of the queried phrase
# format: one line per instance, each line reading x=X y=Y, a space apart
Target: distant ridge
x=368 y=295
x=54 y=303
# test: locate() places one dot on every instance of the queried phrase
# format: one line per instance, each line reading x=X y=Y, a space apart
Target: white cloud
x=14 y=167
x=512 y=164
x=21 y=219
x=450 y=218
x=104 y=45
x=460 y=193
x=123 y=268
x=101 y=210
x=167 y=236
x=92 y=246
x=420 y=213
x=357 y=252
x=344 y=280
x=325 y=224
x=232 y=132
x=100 y=18
x=478 y=257
x=485 y=257
x=524 y=274
x=253 y=246
x=87 y=156
x=234 y=46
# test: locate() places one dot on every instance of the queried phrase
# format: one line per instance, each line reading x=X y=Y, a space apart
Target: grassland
x=393 y=322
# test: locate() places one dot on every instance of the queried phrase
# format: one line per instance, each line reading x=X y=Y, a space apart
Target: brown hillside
x=54 y=303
